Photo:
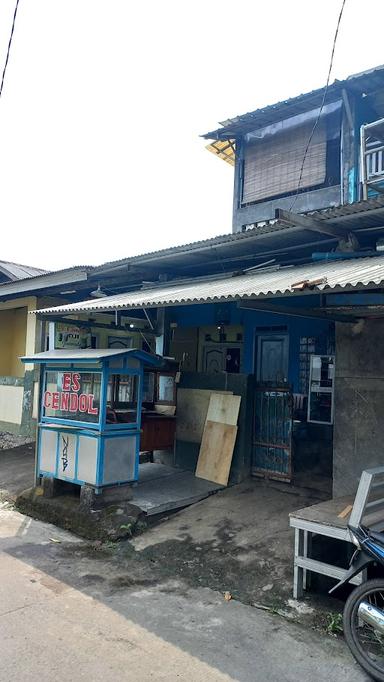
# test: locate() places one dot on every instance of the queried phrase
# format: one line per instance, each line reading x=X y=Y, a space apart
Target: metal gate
x=272 y=433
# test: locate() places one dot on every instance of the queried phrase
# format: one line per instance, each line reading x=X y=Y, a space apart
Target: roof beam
x=258 y=306
x=309 y=223
x=96 y=325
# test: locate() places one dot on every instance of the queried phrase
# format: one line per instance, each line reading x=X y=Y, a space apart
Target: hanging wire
x=321 y=106
x=9 y=48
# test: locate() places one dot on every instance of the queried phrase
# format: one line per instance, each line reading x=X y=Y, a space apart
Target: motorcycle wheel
x=365 y=642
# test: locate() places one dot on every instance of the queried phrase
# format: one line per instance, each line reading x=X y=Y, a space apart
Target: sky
x=104 y=102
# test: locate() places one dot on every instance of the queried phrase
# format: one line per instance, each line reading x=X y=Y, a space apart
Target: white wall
x=11 y=403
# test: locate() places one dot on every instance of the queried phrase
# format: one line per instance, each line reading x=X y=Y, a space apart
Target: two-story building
x=287 y=310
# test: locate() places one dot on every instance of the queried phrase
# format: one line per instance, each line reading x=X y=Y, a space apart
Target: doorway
x=272 y=423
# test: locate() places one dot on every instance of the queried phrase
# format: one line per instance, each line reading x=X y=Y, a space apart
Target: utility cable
x=9 y=47
x=322 y=104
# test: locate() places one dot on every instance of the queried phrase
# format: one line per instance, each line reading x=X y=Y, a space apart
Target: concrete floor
x=160 y=488
x=68 y=611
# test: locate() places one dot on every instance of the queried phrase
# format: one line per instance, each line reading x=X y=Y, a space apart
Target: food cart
x=89 y=425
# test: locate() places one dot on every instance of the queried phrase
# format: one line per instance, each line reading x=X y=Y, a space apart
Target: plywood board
x=224 y=409
x=191 y=412
x=216 y=452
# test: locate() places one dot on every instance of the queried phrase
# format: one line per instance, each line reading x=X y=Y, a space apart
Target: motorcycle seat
x=379 y=537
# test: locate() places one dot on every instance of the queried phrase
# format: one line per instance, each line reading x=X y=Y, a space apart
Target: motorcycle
x=363 y=617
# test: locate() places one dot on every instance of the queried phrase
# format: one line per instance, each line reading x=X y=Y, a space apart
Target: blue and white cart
x=90 y=414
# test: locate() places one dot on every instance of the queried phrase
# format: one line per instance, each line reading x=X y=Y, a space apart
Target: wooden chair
x=331 y=519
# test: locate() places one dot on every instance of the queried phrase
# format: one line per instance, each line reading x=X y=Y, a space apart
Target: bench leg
x=298 y=572
x=307 y=549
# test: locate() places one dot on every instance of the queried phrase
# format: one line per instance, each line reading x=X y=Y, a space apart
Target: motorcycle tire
x=349 y=619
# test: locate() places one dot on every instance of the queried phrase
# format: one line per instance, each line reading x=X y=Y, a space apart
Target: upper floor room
x=317 y=150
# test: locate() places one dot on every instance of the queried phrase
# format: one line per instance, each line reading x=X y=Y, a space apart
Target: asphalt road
x=64 y=616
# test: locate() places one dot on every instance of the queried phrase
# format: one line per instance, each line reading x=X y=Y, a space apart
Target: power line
x=9 y=48
x=322 y=104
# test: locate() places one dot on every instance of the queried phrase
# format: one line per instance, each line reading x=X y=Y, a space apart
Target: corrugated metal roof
x=341 y=213
x=16 y=271
x=41 y=279
x=338 y=274
x=264 y=227
x=89 y=355
x=365 y=81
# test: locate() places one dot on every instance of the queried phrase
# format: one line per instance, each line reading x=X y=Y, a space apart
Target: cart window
x=72 y=395
x=124 y=403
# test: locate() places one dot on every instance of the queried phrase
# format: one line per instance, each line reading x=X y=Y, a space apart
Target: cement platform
x=162 y=488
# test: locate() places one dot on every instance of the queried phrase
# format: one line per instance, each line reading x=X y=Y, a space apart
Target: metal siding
x=67 y=456
x=119 y=459
x=47 y=451
x=87 y=459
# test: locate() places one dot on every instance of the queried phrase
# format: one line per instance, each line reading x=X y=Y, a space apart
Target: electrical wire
x=9 y=47
x=322 y=103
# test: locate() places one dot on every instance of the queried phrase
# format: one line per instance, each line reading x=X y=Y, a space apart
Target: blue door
x=272 y=359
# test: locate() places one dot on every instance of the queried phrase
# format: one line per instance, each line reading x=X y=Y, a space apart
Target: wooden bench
x=331 y=519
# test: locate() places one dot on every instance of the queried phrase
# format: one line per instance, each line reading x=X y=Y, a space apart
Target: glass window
x=72 y=395
x=321 y=389
x=148 y=387
x=166 y=389
x=123 y=407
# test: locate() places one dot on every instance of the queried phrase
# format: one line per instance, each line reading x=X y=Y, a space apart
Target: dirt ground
x=16 y=470
x=237 y=540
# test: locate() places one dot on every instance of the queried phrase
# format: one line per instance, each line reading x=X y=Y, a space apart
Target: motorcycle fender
x=359 y=561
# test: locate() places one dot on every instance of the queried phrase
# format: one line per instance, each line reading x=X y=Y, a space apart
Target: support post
x=298 y=572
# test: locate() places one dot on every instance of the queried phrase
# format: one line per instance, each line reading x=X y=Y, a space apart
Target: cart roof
x=69 y=355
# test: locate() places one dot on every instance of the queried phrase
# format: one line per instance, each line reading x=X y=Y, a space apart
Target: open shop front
x=293 y=372
x=281 y=430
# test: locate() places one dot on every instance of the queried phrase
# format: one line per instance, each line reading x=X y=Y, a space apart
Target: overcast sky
x=104 y=101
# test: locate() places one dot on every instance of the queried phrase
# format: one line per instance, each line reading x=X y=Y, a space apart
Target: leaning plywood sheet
x=224 y=408
x=216 y=452
x=192 y=408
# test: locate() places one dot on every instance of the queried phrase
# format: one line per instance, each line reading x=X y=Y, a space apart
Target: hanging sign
x=69 y=399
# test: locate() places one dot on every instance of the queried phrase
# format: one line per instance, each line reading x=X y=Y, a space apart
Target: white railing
x=374 y=161
x=372 y=156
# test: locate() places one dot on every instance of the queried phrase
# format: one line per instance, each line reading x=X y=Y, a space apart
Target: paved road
x=65 y=616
